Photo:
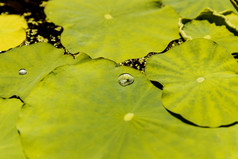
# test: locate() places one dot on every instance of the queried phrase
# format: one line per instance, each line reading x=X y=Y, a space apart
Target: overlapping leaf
x=191 y=8
x=118 y=30
x=37 y=60
x=81 y=111
x=220 y=19
x=12 y=31
x=200 y=82
x=203 y=29
x=10 y=146
x=232 y=19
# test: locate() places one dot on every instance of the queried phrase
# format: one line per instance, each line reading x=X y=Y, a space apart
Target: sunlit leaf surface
x=191 y=8
x=10 y=146
x=232 y=19
x=12 y=31
x=204 y=29
x=83 y=111
x=200 y=82
x=118 y=30
x=22 y=68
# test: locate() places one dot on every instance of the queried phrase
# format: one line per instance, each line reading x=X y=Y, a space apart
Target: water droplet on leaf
x=22 y=72
x=125 y=79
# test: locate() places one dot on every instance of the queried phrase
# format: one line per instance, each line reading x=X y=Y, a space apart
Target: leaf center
x=200 y=79
x=108 y=16
x=128 y=116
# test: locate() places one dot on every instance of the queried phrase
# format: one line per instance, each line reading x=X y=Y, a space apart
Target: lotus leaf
x=200 y=82
x=220 y=19
x=232 y=19
x=191 y=8
x=118 y=30
x=12 y=31
x=91 y=115
x=21 y=68
x=204 y=29
x=10 y=146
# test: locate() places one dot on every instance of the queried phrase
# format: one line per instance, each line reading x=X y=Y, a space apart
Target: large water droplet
x=125 y=79
x=22 y=71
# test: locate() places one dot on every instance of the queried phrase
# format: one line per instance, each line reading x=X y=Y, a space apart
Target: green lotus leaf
x=232 y=19
x=200 y=82
x=10 y=145
x=12 y=31
x=191 y=8
x=22 y=68
x=213 y=16
x=83 y=111
x=203 y=29
x=116 y=30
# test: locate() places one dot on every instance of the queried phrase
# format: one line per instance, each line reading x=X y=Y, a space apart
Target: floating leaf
x=81 y=111
x=200 y=82
x=191 y=8
x=10 y=146
x=203 y=29
x=22 y=68
x=213 y=16
x=12 y=31
x=117 y=30
x=232 y=19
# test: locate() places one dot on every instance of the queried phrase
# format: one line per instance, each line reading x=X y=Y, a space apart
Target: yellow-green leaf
x=118 y=30
x=203 y=29
x=83 y=112
x=12 y=31
x=22 y=68
x=200 y=82
x=232 y=19
x=191 y=8
x=10 y=145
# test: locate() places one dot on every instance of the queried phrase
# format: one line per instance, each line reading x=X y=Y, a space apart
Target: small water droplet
x=128 y=116
x=108 y=16
x=125 y=79
x=22 y=71
x=200 y=79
